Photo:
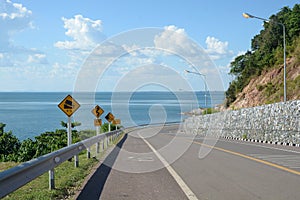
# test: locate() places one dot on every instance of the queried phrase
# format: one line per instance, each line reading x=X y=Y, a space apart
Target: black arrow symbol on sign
x=97 y=111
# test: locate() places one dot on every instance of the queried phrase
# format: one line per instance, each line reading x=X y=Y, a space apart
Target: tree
x=104 y=127
x=266 y=50
x=11 y=149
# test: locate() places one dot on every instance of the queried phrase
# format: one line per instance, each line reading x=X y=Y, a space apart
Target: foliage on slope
x=267 y=53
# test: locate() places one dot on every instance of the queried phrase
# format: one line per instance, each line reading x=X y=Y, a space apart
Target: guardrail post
x=88 y=153
x=97 y=144
x=97 y=147
x=51 y=179
x=76 y=161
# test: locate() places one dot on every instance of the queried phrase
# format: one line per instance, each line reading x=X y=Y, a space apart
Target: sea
x=28 y=114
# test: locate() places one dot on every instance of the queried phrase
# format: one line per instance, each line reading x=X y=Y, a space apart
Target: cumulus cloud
x=126 y=54
x=214 y=45
x=175 y=39
x=13 y=11
x=14 y=18
x=216 y=48
x=84 y=32
x=37 y=58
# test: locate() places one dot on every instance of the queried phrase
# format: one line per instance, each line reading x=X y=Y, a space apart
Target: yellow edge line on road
x=251 y=158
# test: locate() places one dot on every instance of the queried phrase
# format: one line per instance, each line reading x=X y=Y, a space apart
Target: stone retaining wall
x=279 y=122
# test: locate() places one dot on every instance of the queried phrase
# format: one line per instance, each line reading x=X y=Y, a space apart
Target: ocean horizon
x=28 y=114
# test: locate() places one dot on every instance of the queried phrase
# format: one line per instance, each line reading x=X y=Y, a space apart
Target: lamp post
x=197 y=73
x=247 y=15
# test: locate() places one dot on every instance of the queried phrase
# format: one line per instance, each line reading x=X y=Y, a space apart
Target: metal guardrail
x=14 y=178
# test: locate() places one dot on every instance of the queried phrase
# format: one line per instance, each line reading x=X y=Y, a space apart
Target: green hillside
x=266 y=55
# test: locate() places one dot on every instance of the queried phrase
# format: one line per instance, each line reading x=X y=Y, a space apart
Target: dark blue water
x=30 y=114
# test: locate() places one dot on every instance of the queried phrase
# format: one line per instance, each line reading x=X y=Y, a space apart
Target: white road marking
x=141 y=159
x=188 y=192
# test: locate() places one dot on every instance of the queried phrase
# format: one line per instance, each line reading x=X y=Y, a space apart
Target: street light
x=197 y=73
x=247 y=15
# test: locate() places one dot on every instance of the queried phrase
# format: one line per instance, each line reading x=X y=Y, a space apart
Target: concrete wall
x=274 y=122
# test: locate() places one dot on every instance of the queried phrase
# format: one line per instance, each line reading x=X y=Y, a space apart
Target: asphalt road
x=166 y=163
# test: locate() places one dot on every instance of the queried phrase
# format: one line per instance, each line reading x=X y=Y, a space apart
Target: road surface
x=167 y=163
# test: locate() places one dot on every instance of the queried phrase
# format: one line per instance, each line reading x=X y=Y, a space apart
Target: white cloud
x=13 y=10
x=214 y=45
x=172 y=47
x=174 y=39
x=37 y=58
x=84 y=32
x=216 y=48
x=13 y=18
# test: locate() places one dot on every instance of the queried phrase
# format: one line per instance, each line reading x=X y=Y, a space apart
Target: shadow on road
x=93 y=188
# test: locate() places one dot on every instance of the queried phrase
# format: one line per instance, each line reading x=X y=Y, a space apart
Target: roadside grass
x=7 y=165
x=68 y=179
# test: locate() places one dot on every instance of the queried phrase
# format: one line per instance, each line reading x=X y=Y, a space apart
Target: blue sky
x=45 y=45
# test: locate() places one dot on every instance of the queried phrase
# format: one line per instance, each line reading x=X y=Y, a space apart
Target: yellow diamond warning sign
x=97 y=111
x=69 y=105
x=109 y=117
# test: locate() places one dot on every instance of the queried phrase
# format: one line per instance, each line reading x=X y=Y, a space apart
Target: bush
x=260 y=87
x=9 y=146
x=104 y=127
x=270 y=89
x=244 y=136
x=11 y=149
x=27 y=150
x=209 y=111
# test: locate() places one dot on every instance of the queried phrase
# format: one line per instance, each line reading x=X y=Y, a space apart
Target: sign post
x=116 y=122
x=69 y=107
x=97 y=111
x=69 y=131
x=109 y=117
